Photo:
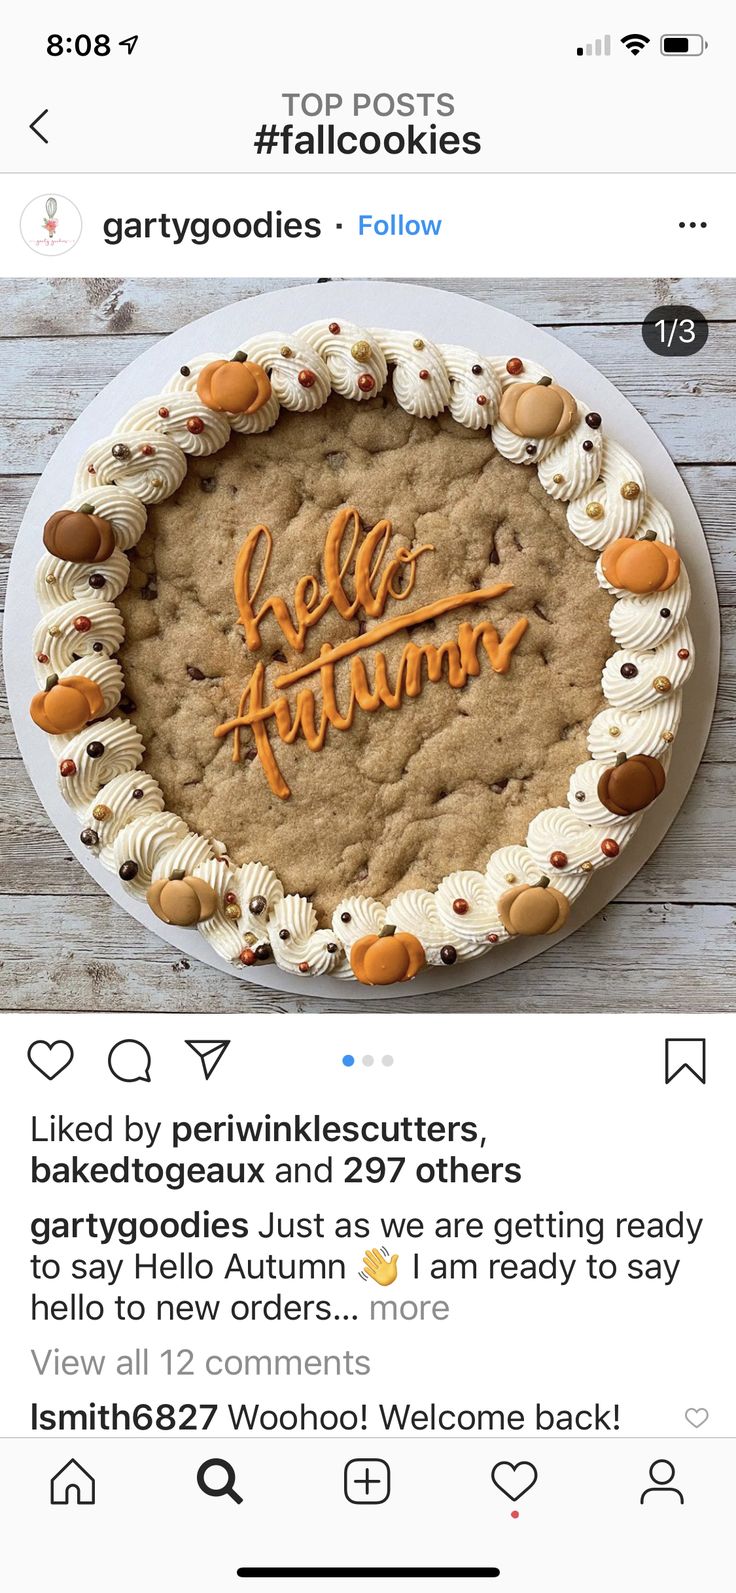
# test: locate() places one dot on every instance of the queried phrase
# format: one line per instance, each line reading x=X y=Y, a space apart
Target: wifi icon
x=634 y=42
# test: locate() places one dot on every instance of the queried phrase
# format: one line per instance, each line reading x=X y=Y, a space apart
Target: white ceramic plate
x=447 y=318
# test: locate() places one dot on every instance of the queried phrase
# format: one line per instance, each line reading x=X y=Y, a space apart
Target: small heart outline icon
x=696 y=1416
x=507 y=1466
x=47 y=1066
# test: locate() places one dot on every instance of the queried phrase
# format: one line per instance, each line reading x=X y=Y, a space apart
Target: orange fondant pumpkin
x=66 y=706
x=631 y=784
x=239 y=386
x=640 y=566
x=388 y=958
x=533 y=909
x=182 y=899
x=537 y=409
x=79 y=535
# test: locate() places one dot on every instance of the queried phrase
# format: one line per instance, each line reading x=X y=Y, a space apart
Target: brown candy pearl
x=247 y=957
x=587 y=445
x=81 y=623
x=424 y=376
x=263 y=951
x=89 y=837
x=147 y=450
x=366 y=382
x=257 y=905
x=120 y=451
x=67 y=767
x=346 y=918
x=629 y=671
x=683 y=652
x=593 y=420
x=610 y=848
x=477 y=371
x=515 y=367
x=306 y=378
x=128 y=870
x=460 y=906
x=95 y=749
x=448 y=955
x=481 y=399
x=195 y=425
x=164 y=413
x=558 y=859
x=335 y=328
x=42 y=658
x=304 y=967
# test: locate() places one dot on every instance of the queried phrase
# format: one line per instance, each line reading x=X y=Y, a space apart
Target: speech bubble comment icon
x=130 y=1062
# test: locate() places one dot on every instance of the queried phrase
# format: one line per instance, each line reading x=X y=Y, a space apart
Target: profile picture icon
x=662 y=1474
x=51 y=224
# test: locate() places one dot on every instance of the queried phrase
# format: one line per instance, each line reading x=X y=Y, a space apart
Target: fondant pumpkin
x=537 y=409
x=631 y=784
x=640 y=565
x=79 y=535
x=182 y=899
x=237 y=386
x=66 y=706
x=388 y=958
x=533 y=909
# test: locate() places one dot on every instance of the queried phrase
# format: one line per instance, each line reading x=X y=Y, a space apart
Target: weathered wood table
x=668 y=942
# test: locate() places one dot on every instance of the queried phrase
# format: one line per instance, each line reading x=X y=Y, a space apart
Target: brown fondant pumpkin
x=533 y=909
x=79 y=535
x=239 y=386
x=182 y=899
x=631 y=784
x=388 y=958
x=640 y=565
x=66 y=706
x=537 y=409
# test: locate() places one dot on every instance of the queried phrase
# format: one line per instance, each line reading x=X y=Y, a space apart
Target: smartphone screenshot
x=367 y=866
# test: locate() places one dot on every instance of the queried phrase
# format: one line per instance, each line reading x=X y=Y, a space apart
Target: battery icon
x=682 y=44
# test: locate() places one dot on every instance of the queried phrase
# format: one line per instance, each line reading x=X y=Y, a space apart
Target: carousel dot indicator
x=367 y=1061
x=348 y=1061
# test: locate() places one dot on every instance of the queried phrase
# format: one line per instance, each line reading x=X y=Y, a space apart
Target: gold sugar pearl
x=361 y=352
x=232 y=910
x=102 y=812
x=419 y=343
x=510 y=879
x=614 y=730
x=630 y=489
x=586 y=868
x=661 y=683
x=668 y=736
x=558 y=480
x=287 y=353
x=595 y=511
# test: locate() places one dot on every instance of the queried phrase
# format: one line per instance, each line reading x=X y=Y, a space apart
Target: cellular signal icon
x=634 y=42
x=598 y=47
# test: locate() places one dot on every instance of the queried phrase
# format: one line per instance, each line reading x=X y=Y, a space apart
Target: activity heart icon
x=696 y=1418
x=50 y=1057
x=514 y=1479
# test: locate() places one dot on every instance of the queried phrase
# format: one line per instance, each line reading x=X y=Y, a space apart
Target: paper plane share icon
x=210 y=1052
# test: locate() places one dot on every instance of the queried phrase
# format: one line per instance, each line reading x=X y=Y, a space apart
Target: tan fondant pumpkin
x=238 y=387
x=533 y=909
x=537 y=409
x=631 y=784
x=182 y=899
x=66 y=706
x=79 y=535
x=640 y=565
x=388 y=958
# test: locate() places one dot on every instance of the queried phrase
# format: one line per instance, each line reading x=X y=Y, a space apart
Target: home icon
x=72 y=1485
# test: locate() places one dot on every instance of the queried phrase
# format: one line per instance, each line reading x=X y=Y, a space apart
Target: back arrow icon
x=34 y=125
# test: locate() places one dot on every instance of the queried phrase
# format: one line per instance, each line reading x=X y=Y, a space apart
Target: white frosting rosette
x=169 y=416
x=151 y=467
x=345 y=366
x=123 y=510
x=144 y=461
x=59 y=581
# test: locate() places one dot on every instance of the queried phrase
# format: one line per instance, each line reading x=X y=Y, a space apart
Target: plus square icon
x=367 y=1482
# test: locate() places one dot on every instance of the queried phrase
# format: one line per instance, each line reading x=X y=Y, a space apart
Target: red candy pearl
x=493 y=939
x=514 y=367
x=147 y=449
x=43 y=658
x=67 y=766
x=247 y=956
x=366 y=382
x=304 y=967
x=424 y=376
x=81 y=623
x=460 y=906
x=195 y=425
x=164 y=413
x=306 y=378
x=334 y=328
x=558 y=859
x=683 y=652
x=230 y=897
x=481 y=399
x=610 y=848
x=91 y=470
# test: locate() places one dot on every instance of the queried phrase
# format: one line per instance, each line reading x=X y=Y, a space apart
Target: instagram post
x=367 y=872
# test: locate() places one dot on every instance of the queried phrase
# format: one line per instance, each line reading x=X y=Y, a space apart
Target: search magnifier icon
x=222 y=1487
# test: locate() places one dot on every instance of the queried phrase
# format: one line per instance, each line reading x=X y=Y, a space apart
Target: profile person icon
x=662 y=1473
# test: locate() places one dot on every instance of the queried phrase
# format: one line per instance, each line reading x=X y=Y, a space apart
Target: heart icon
x=50 y=1057
x=514 y=1480
x=696 y=1418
